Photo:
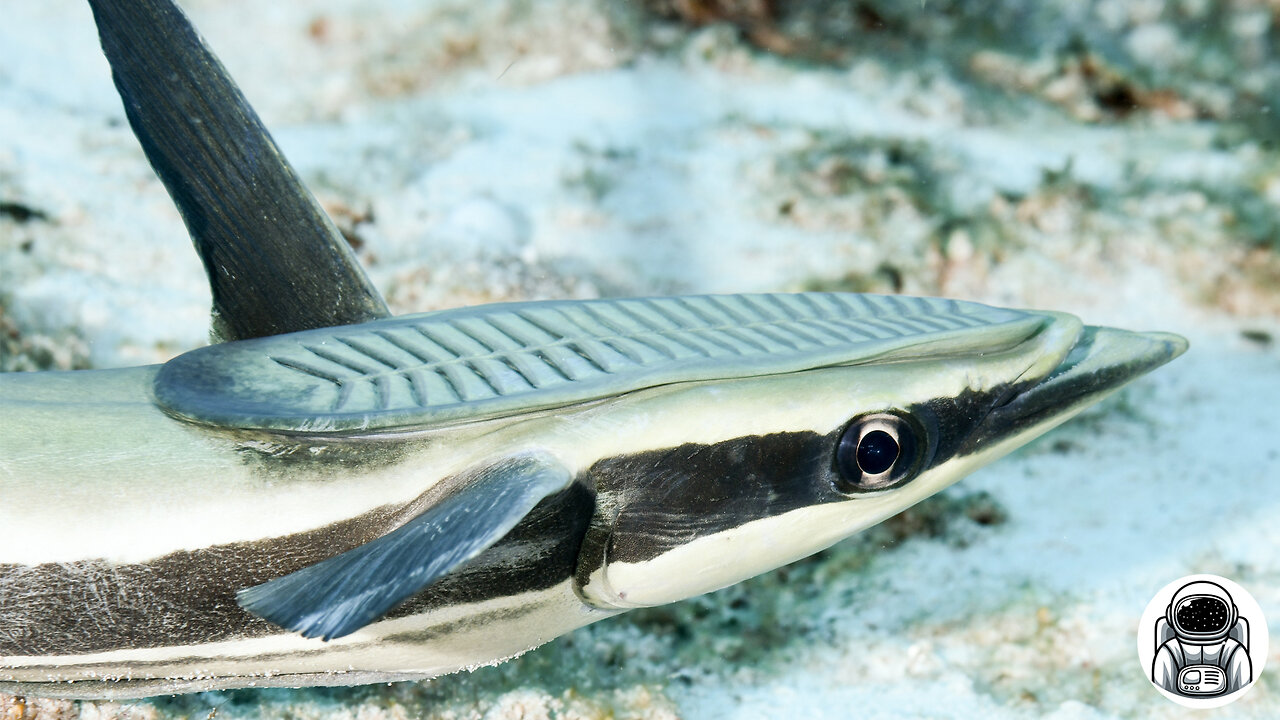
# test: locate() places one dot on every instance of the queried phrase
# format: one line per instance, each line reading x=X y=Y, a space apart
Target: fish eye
x=876 y=451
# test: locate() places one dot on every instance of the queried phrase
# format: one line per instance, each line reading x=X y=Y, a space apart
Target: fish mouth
x=1101 y=361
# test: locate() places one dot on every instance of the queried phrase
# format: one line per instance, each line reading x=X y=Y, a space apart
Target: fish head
x=827 y=452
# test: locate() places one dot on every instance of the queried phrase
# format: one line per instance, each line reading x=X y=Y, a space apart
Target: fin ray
x=275 y=261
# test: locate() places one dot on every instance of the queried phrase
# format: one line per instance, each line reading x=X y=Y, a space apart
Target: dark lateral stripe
x=664 y=498
x=651 y=502
x=188 y=597
x=669 y=497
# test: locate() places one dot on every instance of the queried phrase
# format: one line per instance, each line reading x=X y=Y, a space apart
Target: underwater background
x=1117 y=159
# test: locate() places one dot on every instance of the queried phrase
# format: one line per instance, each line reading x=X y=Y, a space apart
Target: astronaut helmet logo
x=1202 y=641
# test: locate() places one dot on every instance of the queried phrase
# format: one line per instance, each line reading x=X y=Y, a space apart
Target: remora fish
x=335 y=496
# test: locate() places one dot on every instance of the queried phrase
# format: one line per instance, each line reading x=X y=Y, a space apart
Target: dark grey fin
x=340 y=595
x=275 y=261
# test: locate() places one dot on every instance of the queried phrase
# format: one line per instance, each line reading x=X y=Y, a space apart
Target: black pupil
x=877 y=451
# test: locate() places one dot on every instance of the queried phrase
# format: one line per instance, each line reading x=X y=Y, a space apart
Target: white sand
x=593 y=166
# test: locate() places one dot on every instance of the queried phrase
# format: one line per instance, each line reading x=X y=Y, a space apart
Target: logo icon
x=1202 y=641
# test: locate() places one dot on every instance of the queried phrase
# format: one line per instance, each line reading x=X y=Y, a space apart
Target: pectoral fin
x=340 y=595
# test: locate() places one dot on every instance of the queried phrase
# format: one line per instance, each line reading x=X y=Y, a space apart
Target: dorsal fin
x=275 y=261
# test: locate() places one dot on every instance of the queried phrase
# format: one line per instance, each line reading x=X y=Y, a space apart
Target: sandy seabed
x=507 y=150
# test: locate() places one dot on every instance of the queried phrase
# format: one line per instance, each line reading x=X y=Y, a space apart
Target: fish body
x=136 y=525
x=332 y=496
